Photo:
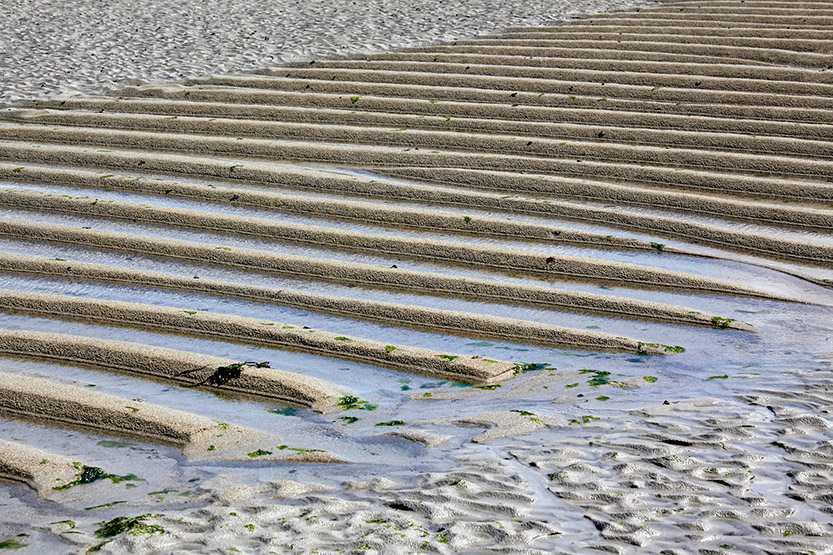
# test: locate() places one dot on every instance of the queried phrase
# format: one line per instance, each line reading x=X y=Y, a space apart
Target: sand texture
x=549 y=285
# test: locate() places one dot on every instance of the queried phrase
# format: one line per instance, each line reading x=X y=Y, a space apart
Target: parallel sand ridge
x=606 y=110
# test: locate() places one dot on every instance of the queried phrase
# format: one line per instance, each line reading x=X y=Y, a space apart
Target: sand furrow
x=434 y=320
x=727 y=18
x=620 y=76
x=350 y=78
x=299 y=122
x=568 y=268
x=755 y=243
x=758 y=212
x=547 y=121
x=200 y=438
x=344 y=210
x=752 y=9
x=791 y=44
x=428 y=94
x=413 y=360
x=609 y=55
x=694 y=203
x=618 y=67
x=319 y=236
x=493 y=152
x=702 y=32
x=182 y=367
x=647 y=19
x=484 y=135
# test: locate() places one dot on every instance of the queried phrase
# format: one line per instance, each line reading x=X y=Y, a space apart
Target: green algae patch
x=524 y=367
x=109 y=443
x=391 y=423
x=650 y=379
x=135 y=526
x=721 y=323
x=642 y=348
x=90 y=474
x=349 y=402
x=258 y=453
x=13 y=544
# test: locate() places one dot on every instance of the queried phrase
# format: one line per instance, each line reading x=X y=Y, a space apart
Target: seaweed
x=650 y=379
x=722 y=323
x=641 y=348
x=132 y=525
x=90 y=474
x=283 y=412
x=349 y=402
x=524 y=367
x=658 y=246
x=391 y=423
x=224 y=374
x=452 y=358
x=349 y=419
x=12 y=544
x=389 y=348
x=258 y=453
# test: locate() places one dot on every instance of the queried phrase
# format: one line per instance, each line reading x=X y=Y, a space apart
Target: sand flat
x=511 y=275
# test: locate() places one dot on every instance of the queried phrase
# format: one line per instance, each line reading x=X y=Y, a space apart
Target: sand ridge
x=199 y=437
x=183 y=367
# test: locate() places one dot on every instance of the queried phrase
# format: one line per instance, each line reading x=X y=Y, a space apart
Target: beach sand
x=390 y=278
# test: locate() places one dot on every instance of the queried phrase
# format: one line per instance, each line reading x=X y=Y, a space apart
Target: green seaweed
x=650 y=379
x=524 y=367
x=354 y=99
x=723 y=377
x=389 y=348
x=452 y=358
x=722 y=323
x=12 y=544
x=584 y=419
x=132 y=525
x=299 y=449
x=602 y=398
x=349 y=402
x=283 y=412
x=391 y=423
x=467 y=219
x=258 y=453
x=657 y=246
x=642 y=348
x=90 y=474
x=103 y=505
x=111 y=443
x=487 y=387
x=342 y=338
x=231 y=168
x=523 y=412
x=349 y=419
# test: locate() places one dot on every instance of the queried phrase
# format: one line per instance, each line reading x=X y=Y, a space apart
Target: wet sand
x=565 y=288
